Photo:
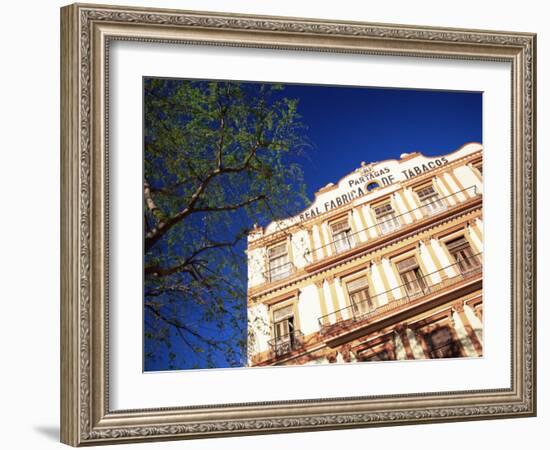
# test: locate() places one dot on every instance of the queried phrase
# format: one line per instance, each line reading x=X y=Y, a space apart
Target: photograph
x=297 y=224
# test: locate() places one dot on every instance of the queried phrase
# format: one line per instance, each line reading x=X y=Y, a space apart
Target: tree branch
x=149 y=202
x=178 y=325
x=158 y=271
x=230 y=207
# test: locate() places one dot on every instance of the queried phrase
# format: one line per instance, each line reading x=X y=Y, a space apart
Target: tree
x=218 y=157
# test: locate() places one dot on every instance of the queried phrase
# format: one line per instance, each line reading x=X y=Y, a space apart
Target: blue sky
x=347 y=125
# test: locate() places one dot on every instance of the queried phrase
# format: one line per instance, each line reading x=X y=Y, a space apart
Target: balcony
x=287 y=343
x=392 y=224
x=407 y=293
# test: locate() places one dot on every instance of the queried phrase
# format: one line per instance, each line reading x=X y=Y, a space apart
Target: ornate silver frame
x=86 y=31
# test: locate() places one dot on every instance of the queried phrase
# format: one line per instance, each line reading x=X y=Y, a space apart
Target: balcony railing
x=280 y=272
x=396 y=222
x=403 y=294
x=287 y=343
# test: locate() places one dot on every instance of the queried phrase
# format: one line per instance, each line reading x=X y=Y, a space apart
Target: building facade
x=386 y=264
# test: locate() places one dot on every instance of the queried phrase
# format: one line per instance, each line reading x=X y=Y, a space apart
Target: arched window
x=372 y=185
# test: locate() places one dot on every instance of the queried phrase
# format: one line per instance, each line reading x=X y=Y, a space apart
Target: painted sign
x=368 y=178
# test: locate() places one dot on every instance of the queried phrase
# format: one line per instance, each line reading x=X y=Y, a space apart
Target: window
x=361 y=301
x=279 y=265
x=386 y=218
x=372 y=185
x=283 y=322
x=441 y=344
x=479 y=166
x=463 y=254
x=430 y=201
x=411 y=275
x=286 y=336
x=341 y=236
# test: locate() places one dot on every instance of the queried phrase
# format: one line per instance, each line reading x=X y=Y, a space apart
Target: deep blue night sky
x=347 y=125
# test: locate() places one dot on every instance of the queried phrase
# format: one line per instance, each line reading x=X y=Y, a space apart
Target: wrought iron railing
x=397 y=221
x=405 y=293
x=287 y=343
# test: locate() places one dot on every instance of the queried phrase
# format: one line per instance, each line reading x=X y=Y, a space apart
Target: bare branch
x=180 y=326
x=149 y=202
x=158 y=271
x=231 y=207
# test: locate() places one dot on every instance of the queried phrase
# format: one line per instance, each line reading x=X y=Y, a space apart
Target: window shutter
x=426 y=193
x=457 y=244
x=383 y=210
x=340 y=226
x=357 y=285
x=277 y=250
x=283 y=313
x=407 y=264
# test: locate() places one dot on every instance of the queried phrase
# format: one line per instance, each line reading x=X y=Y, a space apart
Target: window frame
x=440 y=199
x=349 y=235
x=466 y=245
x=419 y=277
x=294 y=335
x=269 y=260
x=386 y=219
x=373 y=304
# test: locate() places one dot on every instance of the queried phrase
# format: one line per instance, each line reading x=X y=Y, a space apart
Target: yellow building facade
x=386 y=264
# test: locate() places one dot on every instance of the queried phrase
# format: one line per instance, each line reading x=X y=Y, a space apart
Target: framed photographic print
x=276 y=225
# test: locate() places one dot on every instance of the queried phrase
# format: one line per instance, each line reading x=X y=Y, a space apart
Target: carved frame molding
x=86 y=31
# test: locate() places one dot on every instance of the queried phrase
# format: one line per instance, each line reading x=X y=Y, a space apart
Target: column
x=334 y=297
x=400 y=352
x=462 y=333
x=321 y=249
x=402 y=333
x=459 y=309
x=355 y=235
x=378 y=269
x=467 y=192
x=322 y=302
x=453 y=186
x=416 y=346
x=359 y=214
x=426 y=273
x=445 y=188
x=437 y=263
x=411 y=203
x=326 y=237
x=371 y=221
x=474 y=236
x=405 y=211
x=312 y=257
